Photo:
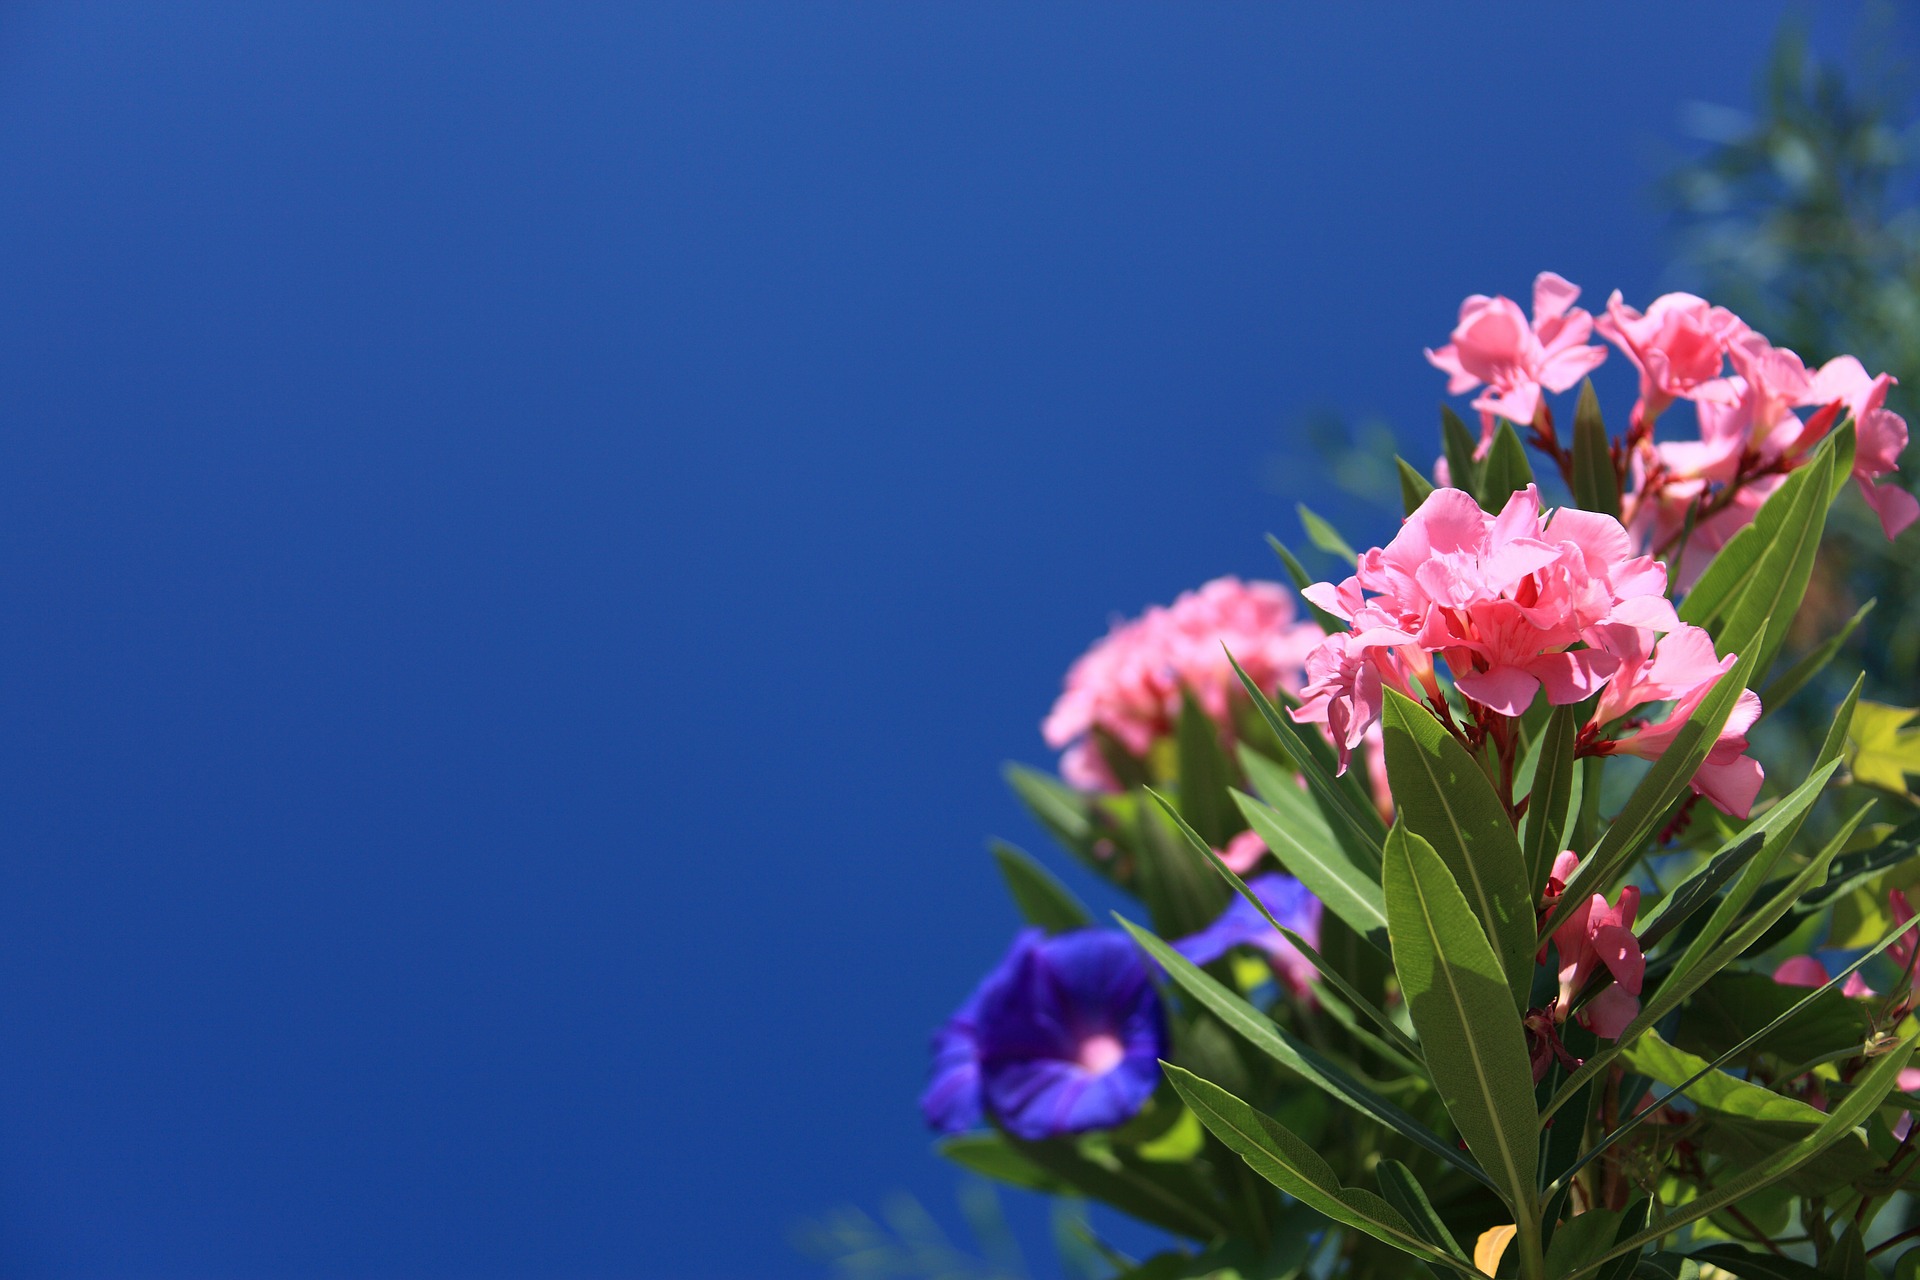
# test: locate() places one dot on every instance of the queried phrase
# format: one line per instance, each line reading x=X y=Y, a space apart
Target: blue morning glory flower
x=1241 y=925
x=1065 y=1035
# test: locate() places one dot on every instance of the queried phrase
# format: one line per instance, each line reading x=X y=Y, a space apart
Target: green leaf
x=1205 y=773
x=1698 y=889
x=1314 y=859
x=1505 y=471
x=1883 y=747
x=1789 y=682
x=1414 y=487
x=1042 y=899
x=1181 y=897
x=1459 y=445
x=1748 y=1264
x=1325 y=536
x=1663 y=784
x=1761 y=615
x=1290 y=1052
x=1456 y=991
x=1066 y=814
x=1697 y=1080
x=1162 y=1195
x=1842 y=1122
x=1444 y=797
x=1595 y=486
x=1360 y=819
x=1549 y=804
x=1399 y=1188
x=1581 y=1239
x=1856 y=870
x=988 y=1155
x=1280 y=1156
x=1301 y=581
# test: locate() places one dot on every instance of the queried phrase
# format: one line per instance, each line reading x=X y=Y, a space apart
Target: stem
x=1533 y=1258
x=1891 y=1241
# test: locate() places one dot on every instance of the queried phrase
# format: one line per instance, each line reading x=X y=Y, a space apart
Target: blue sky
x=527 y=531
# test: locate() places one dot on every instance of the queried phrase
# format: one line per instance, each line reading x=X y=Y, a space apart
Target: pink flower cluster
x=1746 y=392
x=1128 y=685
x=1495 y=345
x=1515 y=604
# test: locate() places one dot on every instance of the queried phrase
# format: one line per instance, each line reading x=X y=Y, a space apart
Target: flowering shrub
x=1481 y=998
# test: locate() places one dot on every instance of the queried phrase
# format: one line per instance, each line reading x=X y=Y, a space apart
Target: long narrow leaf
x=1041 y=898
x=1280 y=1156
x=1549 y=804
x=1343 y=888
x=1414 y=487
x=1456 y=991
x=1789 y=682
x=1323 y=535
x=1301 y=581
x=1364 y=823
x=1283 y=1047
x=1595 y=485
x=1445 y=798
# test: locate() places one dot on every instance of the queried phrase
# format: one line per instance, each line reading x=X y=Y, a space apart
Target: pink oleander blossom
x=1682 y=668
x=1678 y=344
x=1493 y=344
x=1506 y=601
x=1880 y=435
x=1807 y=971
x=1129 y=684
x=1596 y=936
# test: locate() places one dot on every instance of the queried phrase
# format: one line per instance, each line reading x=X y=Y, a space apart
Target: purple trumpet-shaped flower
x=1062 y=1037
x=1240 y=924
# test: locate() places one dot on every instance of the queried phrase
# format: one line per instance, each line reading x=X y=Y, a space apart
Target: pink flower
x=1494 y=344
x=1508 y=602
x=1879 y=437
x=1595 y=936
x=1807 y=971
x=1678 y=345
x=1681 y=668
x=1129 y=684
x=1243 y=852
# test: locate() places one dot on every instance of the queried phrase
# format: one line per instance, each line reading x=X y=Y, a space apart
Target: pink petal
x=1507 y=690
x=1802 y=971
x=1610 y=1012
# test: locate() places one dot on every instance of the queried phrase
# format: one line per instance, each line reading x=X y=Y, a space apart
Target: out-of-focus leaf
x=1301 y=581
x=1282 y=1158
x=1883 y=748
x=1324 y=535
x=1322 y=866
x=1749 y=1264
x=1168 y=1196
x=1595 y=486
x=988 y=1155
x=1581 y=1239
x=1399 y=1188
x=1205 y=773
x=1445 y=798
x=1714 y=1089
x=1181 y=898
x=1505 y=471
x=1856 y=870
x=1414 y=487
x=1789 y=682
x=1732 y=1005
x=1042 y=899
x=1065 y=813
x=1456 y=990
x=1283 y=1047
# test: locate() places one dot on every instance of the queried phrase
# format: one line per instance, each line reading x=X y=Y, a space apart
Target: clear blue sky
x=526 y=532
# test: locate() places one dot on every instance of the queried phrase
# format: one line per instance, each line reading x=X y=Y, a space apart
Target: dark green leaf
x=1360 y=819
x=1595 y=486
x=988 y=1155
x=1282 y=1158
x=1399 y=1188
x=1315 y=859
x=1180 y=896
x=1581 y=1239
x=1165 y=1196
x=1065 y=813
x=1698 y=889
x=1748 y=1264
x=1548 y=804
x=1283 y=1047
x=1789 y=682
x=1463 y=470
x=1444 y=797
x=1414 y=487
x=1663 y=784
x=1456 y=991
x=1041 y=898
x=1205 y=773
x=1505 y=471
